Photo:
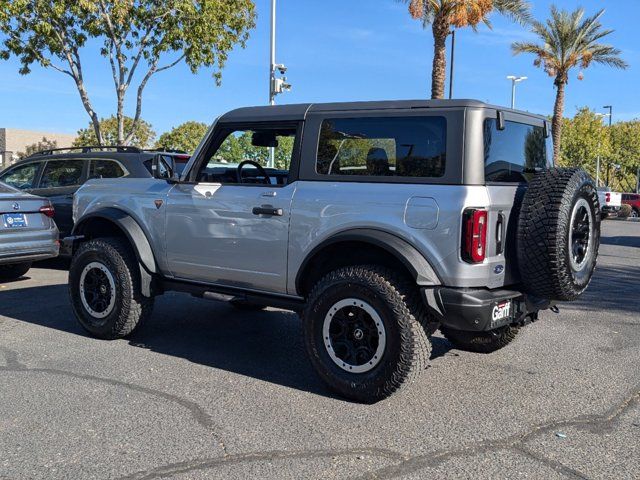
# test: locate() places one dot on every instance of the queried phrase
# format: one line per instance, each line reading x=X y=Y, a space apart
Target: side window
x=514 y=154
x=62 y=173
x=254 y=145
x=388 y=147
x=22 y=177
x=106 y=169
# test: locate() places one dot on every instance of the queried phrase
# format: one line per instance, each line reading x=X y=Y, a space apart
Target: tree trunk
x=120 y=117
x=556 y=123
x=439 y=69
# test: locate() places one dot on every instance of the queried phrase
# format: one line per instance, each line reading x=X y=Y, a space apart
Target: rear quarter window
x=106 y=169
x=383 y=147
x=515 y=153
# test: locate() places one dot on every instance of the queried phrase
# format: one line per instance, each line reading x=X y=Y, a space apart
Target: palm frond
x=517 y=10
x=570 y=39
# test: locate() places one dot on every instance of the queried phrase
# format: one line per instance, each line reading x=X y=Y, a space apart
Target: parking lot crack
x=514 y=442
x=173 y=469
x=200 y=416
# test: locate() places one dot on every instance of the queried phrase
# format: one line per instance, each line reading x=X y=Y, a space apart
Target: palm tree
x=442 y=15
x=568 y=40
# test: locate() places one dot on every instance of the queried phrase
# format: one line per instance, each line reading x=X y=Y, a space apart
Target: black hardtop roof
x=299 y=111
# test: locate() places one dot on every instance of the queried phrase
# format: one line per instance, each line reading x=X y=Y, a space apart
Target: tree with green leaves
x=183 y=137
x=238 y=147
x=443 y=15
x=625 y=152
x=141 y=135
x=568 y=40
x=44 y=144
x=584 y=139
x=138 y=38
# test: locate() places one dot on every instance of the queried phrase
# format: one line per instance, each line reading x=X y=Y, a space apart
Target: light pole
x=601 y=115
x=277 y=84
x=514 y=80
x=453 y=51
x=610 y=115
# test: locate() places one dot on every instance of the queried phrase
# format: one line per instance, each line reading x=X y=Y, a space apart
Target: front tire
x=14 y=271
x=363 y=332
x=481 y=342
x=104 y=286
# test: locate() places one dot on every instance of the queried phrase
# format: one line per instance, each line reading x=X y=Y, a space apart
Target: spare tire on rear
x=558 y=234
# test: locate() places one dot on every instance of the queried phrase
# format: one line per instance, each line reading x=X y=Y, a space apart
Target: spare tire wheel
x=558 y=234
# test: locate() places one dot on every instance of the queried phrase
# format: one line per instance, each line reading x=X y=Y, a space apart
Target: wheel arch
x=358 y=246
x=114 y=222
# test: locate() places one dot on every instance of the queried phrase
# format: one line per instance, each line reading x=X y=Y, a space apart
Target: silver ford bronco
x=378 y=222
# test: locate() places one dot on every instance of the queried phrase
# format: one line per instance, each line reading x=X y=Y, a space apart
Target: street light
x=277 y=84
x=602 y=115
x=610 y=114
x=514 y=80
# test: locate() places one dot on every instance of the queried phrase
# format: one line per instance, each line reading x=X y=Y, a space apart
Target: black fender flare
x=134 y=233
x=419 y=267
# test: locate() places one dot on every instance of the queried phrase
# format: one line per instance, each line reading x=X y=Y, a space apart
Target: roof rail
x=88 y=149
x=165 y=150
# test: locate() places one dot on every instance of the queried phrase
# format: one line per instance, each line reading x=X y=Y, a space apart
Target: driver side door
x=223 y=232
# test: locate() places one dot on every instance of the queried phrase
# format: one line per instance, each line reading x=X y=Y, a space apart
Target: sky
x=337 y=50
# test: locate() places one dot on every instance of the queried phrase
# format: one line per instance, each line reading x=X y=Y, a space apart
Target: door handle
x=269 y=194
x=267 y=210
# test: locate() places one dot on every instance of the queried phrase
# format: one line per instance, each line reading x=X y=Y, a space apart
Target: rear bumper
x=29 y=252
x=481 y=309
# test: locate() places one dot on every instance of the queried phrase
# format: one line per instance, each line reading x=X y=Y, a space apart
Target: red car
x=632 y=199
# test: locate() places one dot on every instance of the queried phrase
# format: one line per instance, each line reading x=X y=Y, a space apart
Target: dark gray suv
x=56 y=174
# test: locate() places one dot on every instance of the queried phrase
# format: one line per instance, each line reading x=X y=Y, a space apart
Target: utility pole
x=277 y=84
x=514 y=80
x=453 y=51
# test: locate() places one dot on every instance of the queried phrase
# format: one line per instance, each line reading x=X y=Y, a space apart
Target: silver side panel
x=134 y=196
x=322 y=209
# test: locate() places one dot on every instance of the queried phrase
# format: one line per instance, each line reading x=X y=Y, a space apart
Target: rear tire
x=481 y=342
x=14 y=271
x=104 y=286
x=363 y=332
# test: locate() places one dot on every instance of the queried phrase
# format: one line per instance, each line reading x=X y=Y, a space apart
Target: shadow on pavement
x=621 y=241
x=265 y=345
x=613 y=288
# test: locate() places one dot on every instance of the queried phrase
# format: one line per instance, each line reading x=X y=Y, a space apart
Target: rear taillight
x=48 y=210
x=607 y=197
x=474 y=235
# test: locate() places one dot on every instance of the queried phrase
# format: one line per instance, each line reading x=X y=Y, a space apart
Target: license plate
x=502 y=313
x=14 y=220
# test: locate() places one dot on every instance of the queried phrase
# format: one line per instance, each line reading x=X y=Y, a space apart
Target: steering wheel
x=266 y=179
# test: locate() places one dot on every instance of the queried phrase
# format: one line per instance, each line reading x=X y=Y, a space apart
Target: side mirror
x=547 y=130
x=164 y=167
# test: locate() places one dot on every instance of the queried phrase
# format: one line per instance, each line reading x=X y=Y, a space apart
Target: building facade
x=14 y=141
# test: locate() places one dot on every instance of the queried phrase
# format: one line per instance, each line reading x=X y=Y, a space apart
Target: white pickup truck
x=610 y=202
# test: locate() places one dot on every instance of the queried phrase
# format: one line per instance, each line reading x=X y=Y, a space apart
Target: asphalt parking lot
x=205 y=391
